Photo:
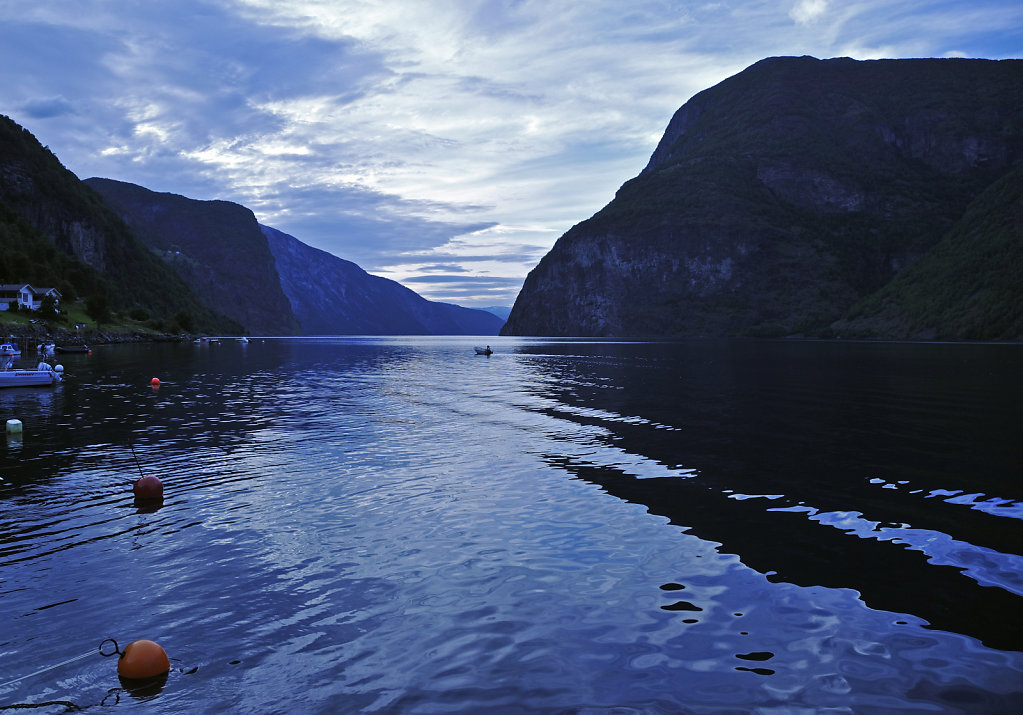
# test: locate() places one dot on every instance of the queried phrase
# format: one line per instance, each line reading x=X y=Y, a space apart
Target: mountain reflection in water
x=397 y=524
x=788 y=451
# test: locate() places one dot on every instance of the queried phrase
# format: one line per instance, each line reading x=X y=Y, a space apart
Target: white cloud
x=807 y=12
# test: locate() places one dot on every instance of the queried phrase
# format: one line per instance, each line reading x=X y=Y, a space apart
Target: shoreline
x=63 y=336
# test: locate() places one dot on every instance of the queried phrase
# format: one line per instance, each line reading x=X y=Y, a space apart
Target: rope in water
x=116 y=651
x=67 y=704
x=52 y=667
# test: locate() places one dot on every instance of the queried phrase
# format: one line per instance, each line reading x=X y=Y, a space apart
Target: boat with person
x=483 y=351
x=44 y=374
x=72 y=349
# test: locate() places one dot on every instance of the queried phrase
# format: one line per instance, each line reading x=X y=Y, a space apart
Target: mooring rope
x=114 y=692
x=68 y=705
x=52 y=667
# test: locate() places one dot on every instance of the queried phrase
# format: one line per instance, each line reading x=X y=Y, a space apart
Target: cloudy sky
x=446 y=144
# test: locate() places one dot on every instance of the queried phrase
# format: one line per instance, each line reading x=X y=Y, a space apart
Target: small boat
x=42 y=375
x=46 y=348
x=9 y=349
x=72 y=349
x=483 y=351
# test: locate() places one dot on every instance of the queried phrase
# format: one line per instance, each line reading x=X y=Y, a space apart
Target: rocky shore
x=44 y=333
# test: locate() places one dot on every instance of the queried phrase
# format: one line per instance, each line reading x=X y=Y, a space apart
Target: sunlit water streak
x=400 y=525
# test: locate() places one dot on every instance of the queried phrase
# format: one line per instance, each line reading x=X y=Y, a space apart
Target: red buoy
x=155 y=382
x=142 y=659
x=148 y=488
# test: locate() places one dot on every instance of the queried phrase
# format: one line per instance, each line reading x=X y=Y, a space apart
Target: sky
x=445 y=144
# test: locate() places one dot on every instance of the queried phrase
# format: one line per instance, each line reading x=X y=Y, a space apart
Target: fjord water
x=399 y=525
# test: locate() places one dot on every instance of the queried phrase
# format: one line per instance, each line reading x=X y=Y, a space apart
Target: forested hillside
x=56 y=231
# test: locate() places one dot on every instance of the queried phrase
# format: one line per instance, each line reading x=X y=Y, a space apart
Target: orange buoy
x=142 y=659
x=155 y=382
x=148 y=488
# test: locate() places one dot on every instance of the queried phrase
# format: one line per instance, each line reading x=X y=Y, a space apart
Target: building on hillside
x=25 y=296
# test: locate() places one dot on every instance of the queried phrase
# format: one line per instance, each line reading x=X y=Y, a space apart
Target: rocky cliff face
x=215 y=246
x=74 y=229
x=331 y=296
x=781 y=197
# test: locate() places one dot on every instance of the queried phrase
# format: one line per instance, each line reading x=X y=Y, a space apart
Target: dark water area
x=400 y=525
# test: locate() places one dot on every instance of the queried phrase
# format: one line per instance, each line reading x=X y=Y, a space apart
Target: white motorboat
x=44 y=374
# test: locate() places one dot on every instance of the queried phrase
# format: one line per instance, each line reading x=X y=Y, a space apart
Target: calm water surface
x=399 y=525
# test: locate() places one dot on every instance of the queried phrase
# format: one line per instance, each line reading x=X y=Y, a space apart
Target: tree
x=67 y=291
x=97 y=306
x=48 y=307
x=185 y=321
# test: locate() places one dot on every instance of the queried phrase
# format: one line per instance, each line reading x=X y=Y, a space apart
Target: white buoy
x=13 y=426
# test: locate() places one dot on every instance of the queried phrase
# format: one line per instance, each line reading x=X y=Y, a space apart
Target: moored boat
x=42 y=375
x=72 y=349
x=9 y=349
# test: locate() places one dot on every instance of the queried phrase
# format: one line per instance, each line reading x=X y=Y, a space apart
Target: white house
x=27 y=297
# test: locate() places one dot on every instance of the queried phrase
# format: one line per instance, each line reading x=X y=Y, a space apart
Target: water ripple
x=394 y=525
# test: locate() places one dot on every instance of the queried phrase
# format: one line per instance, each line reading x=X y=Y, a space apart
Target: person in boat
x=489 y=351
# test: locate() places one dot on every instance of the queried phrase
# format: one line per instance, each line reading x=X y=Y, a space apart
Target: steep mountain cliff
x=215 y=246
x=780 y=198
x=332 y=296
x=57 y=231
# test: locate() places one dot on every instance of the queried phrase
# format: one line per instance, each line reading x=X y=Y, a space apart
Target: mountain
x=271 y=282
x=501 y=311
x=785 y=197
x=56 y=231
x=215 y=246
x=332 y=296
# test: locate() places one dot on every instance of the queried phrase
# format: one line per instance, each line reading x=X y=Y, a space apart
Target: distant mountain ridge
x=271 y=282
x=332 y=296
x=780 y=200
x=501 y=311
